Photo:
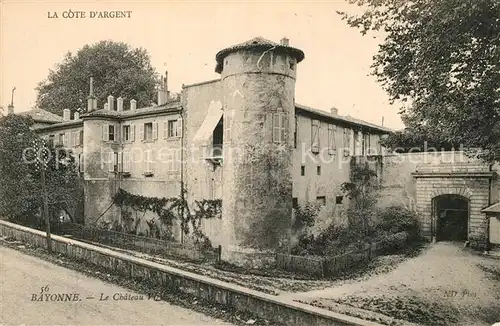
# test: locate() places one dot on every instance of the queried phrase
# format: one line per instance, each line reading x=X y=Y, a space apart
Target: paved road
x=21 y=279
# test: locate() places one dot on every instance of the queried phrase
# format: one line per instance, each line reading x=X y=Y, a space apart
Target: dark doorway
x=452 y=217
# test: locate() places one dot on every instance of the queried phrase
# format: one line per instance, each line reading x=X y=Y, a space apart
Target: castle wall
x=414 y=180
x=203 y=179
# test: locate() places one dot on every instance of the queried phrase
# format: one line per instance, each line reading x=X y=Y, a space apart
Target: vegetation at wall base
x=169 y=210
x=365 y=223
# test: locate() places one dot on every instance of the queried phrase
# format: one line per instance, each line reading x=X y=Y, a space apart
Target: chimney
x=111 y=103
x=106 y=106
x=165 y=85
x=10 y=109
x=76 y=116
x=162 y=90
x=66 y=115
x=133 y=105
x=284 y=41
x=91 y=99
x=334 y=111
x=119 y=104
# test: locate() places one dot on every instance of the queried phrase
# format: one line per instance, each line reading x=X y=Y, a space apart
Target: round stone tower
x=258 y=79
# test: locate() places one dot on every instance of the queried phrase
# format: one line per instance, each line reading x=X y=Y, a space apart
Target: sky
x=183 y=38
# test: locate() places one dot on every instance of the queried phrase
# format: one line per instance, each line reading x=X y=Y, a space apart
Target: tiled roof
x=256 y=43
x=39 y=115
x=62 y=125
x=174 y=105
x=346 y=119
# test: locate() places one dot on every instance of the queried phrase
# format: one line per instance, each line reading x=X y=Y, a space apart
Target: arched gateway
x=450 y=198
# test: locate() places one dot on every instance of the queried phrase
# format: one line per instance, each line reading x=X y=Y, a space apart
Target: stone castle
x=244 y=139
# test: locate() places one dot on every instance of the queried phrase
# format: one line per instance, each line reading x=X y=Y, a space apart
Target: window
x=332 y=146
x=339 y=199
x=77 y=138
x=295 y=133
x=126 y=162
x=347 y=142
x=356 y=143
x=295 y=202
x=280 y=128
x=321 y=200
x=126 y=133
x=172 y=128
x=318 y=170
x=51 y=140
x=315 y=136
x=365 y=143
x=111 y=161
x=149 y=131
x=109 y=133
x=148 y=166
x=60 y=139
x=303 y=170
x=115 y=162
x=292 y=66
x=80 y=163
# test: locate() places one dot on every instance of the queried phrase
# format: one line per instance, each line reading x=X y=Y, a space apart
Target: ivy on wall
x=362 y=192
x=171 y=209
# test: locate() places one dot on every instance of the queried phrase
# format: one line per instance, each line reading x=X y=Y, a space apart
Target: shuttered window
x=74 y=138
x=280 y=128
x=109 y=132
x=125 y=162
x=347 y=142
x=65 y=139
x=332 y=146
x=81 y=162
x=148 y=162
x=141 y=132
x=315 y=136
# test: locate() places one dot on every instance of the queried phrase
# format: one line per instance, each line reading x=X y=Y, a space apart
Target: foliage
x=440 y=59
x=171 y=209
x=395 y=219
x=117 y=69
x=411 y=141
x=305 y=215
x=361 y=191
x=20 y=171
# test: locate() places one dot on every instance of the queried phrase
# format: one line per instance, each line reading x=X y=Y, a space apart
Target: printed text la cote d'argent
x=72 y=14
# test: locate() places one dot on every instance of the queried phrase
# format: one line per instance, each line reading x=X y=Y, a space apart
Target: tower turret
x=258 y=79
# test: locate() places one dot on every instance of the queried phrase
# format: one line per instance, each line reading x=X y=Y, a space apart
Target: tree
x=20 y=178
x=441 y=60
x=117 y=70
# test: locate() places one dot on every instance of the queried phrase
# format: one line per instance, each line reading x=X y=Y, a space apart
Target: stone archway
x=471 y=183
x=451 y=217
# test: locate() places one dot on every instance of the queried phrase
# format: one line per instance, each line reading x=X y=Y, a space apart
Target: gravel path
x=446 y=284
